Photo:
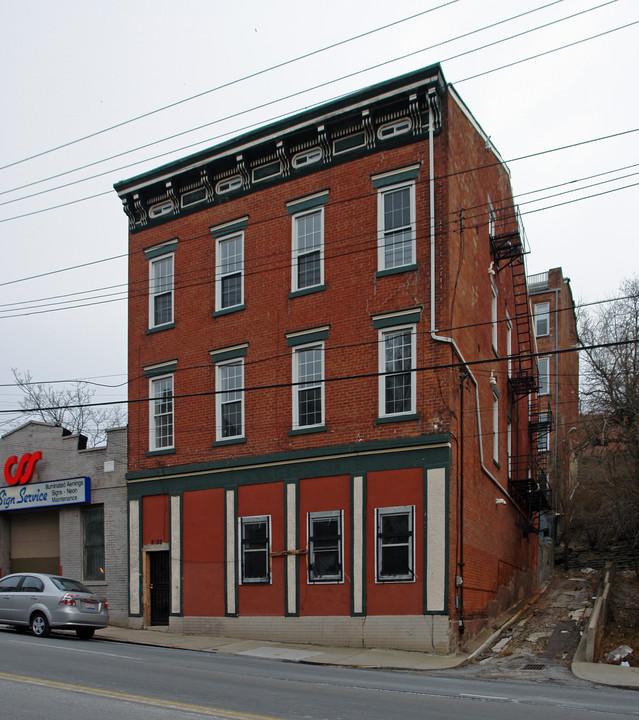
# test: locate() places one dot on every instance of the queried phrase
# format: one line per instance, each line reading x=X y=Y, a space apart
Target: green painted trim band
x=168 y=451
x=160 y=328
x=229 y=441
x=309 y=337
x=228 y=311
x=229 y=228
x=397 y=270
x=308 y=431
x=395 y=178
x=157 y=370
x=296 y=206
x=408 y=318
x=307 y=291
x=396 y=418
x=156 y=252
x=228 y=353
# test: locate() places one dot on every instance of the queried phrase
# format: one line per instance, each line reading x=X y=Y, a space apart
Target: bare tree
x=610 y=398
x=69 y=407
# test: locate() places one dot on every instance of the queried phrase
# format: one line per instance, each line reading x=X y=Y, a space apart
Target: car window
x=32 y=584
x=69 y=585
x=10 y=584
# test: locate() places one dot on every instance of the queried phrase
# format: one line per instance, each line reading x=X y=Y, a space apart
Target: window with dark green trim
x=396 y=226
x=161 y=411
x=308 y=249
x=161 y=291
x=308 y=386
x=397 y=378
x=229 y=286
x=229 y=399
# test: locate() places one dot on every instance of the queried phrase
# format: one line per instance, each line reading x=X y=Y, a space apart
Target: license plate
x=89 y=606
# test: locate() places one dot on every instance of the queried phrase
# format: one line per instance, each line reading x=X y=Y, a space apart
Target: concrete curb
x=582 y=665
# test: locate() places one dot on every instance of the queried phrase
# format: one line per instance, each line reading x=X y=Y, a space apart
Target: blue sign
x=46 y=494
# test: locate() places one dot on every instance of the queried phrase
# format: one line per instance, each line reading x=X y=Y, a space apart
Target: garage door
x=35 y=542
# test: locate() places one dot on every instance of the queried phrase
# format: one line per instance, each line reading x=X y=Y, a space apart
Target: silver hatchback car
x=43 y=602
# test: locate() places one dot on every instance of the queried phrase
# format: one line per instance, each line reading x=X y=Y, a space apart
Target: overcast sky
x=72 y=69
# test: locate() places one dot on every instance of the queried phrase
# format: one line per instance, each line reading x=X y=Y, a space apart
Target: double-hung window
x=229 y=292
x=542 y=435
x=494 y=320
x=161 y=291
x=230 y=399
x=93 y=546
x=495 y=426
x=308 y=250
x=509 y=344
x=325 y=546
x=397 y=377
x=544 y=376
x=396 y=226
x=308 y=386
x=509 y=447
x=395 y=560
x=542 y=319
x=161 y=413
x=255 y=542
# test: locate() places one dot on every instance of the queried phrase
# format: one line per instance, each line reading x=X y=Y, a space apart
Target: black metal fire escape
x=528 y=483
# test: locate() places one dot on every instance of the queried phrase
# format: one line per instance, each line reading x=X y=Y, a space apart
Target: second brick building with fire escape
x=329 y=374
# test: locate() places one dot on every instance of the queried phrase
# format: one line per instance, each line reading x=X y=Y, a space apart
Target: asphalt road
x=61 y=677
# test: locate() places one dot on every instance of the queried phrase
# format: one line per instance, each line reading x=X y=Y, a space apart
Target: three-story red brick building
x=330 y=356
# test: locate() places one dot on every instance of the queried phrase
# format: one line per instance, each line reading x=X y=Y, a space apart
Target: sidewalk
x=574 y=605
x=313 y=654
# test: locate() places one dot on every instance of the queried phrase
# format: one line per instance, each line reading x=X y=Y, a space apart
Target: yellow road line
x=142 y=699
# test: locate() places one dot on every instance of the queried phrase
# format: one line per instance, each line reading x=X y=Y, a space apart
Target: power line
x=298 y=93
x=341 y=378
x=223 y=86
x=101 y=299
x=449 y=329
x=548 y=52
x=518 y=195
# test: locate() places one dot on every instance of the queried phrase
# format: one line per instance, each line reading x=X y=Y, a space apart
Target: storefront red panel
x=155 y=519
x=394 y=488
x=203 y=553
x=260 y=500
x=321 y=495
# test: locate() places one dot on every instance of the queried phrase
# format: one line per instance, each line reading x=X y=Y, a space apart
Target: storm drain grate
x=533 y=666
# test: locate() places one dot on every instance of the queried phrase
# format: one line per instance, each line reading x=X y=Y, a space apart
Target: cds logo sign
x=24 y=470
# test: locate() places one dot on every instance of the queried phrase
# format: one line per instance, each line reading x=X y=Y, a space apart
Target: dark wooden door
x=159 y=587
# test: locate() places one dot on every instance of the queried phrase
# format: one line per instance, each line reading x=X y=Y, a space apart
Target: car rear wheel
x=40 y=625
x=85 y=633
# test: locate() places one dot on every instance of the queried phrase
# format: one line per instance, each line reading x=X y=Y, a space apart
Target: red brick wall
x=352 y=295
x=494 y=552
x=493 y=545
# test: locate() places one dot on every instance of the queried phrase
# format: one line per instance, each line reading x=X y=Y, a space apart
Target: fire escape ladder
x=524 y=375
x=507 y=250
x=529 y=484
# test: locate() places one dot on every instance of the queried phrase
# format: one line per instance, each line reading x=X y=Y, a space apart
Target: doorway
x=159 y=587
